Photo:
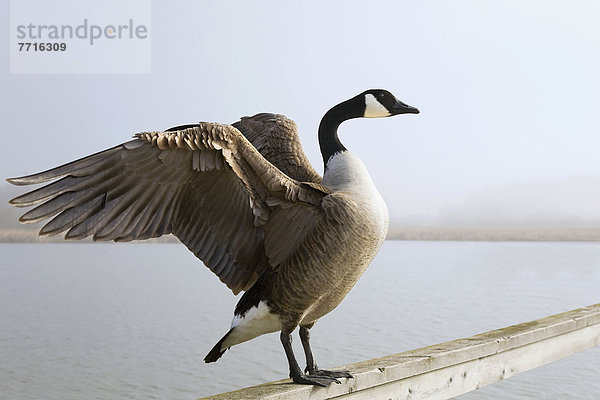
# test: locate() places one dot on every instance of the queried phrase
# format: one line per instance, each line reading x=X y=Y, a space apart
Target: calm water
x=134 y=321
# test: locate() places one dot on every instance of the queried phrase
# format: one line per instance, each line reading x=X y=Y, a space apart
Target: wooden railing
x=449 y=369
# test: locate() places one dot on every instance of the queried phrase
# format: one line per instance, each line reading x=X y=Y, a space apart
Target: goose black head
x=372 y=103
x=380 y=103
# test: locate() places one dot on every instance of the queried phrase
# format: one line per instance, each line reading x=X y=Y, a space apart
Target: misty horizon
x=545 y=204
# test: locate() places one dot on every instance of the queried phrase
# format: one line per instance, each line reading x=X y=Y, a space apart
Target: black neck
x=328 y=137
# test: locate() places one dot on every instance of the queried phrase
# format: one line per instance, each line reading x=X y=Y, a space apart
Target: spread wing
x=206 y=184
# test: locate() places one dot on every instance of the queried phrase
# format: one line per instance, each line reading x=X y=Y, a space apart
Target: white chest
x=346 y=173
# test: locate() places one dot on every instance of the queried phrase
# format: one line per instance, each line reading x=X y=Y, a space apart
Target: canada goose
x=246 y=201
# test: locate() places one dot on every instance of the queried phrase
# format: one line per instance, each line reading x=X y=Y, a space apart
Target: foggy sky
x=508 y=93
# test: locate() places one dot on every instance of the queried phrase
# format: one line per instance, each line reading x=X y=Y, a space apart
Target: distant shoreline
x=497 y=234
x=421 y=233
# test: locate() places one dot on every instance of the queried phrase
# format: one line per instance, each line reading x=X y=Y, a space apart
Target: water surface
x=134 y=321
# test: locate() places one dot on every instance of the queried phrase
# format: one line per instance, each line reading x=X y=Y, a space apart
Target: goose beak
x=402 y=108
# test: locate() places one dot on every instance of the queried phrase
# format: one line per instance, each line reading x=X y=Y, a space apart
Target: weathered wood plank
x=448 y=369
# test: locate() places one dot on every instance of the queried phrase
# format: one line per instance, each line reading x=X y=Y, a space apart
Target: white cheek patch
x=374 y=109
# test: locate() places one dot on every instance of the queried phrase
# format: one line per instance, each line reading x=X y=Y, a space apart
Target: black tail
x=216 y=351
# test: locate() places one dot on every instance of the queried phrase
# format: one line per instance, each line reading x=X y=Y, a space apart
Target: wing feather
x=82 y=164
x=206 y=184
x=72 y=216
x=276 y=138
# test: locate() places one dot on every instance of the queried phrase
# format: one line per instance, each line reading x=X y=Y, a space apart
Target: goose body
x=247 y=202
x=351 y=185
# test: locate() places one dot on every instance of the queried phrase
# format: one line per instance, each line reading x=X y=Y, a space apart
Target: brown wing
x=206 y=184
x=298 y=234
x=276 y=138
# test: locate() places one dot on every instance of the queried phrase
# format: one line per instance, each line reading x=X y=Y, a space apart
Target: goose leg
x=295 y=372
x=311 y=365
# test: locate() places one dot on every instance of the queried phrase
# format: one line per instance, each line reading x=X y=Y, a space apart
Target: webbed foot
x=317 y=380
x=331 y=374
